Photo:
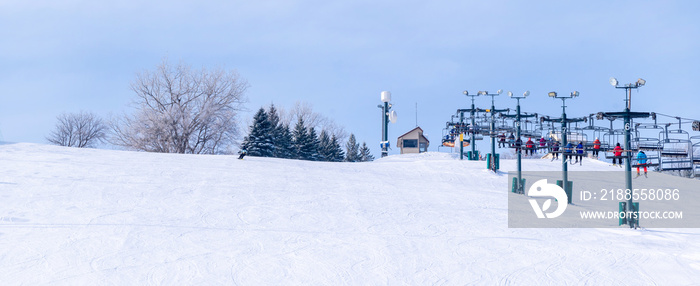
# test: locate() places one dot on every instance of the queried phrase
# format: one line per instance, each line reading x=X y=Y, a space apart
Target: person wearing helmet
x=642 y=161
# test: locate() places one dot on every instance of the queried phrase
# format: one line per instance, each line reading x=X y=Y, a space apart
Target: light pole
x=627 y=115
x=519 y=184
x=472 y=112
x=386 y=117
x=492 y=159
x=565 y=183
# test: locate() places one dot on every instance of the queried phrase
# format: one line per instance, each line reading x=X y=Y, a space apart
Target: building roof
x=419 y=132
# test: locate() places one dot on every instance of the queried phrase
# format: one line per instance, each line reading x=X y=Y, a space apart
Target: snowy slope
x=87 y=217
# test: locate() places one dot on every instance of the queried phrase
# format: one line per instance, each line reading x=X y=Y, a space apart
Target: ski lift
x=696 y=158
x=676 y=152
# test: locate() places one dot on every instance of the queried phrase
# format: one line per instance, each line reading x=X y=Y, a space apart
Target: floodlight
x=613 y=81
x=552 y=94
x=641 y=82
x=574 y=94
x=466 y=92
x=510 y=93
x=499 y=91
x=526 y=94
x=482 y=92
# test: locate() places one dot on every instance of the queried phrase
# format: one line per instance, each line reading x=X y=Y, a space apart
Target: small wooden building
x=413 y=142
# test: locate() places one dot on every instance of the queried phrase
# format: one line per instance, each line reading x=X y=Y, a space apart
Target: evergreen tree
x=325 y=153
x=336 y=152
x=281 y=147
x=259 y=141
x=283 y=144
x=352 y=150
x=365 y=154
x=273 y=115
x=314 y=145
x=300 y=141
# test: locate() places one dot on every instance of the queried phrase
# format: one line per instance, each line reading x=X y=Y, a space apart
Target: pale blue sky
x=65 y=56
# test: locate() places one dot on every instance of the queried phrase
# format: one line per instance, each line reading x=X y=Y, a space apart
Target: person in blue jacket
x=579 y=153
x=642 y=161
x=568 y=150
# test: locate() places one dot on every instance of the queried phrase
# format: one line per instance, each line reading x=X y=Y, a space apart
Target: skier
x=555 y=150
x=579 y=153
x=518 y=145
x=501 y=140
x=543 y=143
x=511 y=139
x=568 y=152
x=642 y=161
x=596 y=147
x=618 y=154
x=530 y=145
x=243 y=152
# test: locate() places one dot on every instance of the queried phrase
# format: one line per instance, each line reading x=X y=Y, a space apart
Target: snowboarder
x=579 y=153
x=642 y=161
x=242 y=154
x=530 y=145
x=618 y=154
x=511 y=139
x=555 y=151
x=596 y=147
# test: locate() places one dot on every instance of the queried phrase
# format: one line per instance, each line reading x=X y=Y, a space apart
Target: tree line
x=182 y=110
x=270 y=137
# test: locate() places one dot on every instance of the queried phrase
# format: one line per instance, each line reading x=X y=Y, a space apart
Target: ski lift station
x=413 y=142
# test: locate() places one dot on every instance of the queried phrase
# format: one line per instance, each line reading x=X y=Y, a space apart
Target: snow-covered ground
x=94 y=217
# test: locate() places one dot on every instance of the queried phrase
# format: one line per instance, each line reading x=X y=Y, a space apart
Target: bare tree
x=305 y=111
x=81 y=130
x=180 y=110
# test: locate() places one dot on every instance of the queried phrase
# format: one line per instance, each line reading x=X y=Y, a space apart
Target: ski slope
x=95 y=217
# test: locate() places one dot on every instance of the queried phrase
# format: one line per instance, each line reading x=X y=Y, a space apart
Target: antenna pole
x=416 y=114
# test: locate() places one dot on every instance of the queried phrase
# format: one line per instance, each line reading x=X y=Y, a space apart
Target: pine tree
x=281 y=147
x=337 y=154
x=259 y=141
x=365 y=154
x=300 y=141
x=283 y=144
x=352 y=152
x=325 y=153
x=314 y=145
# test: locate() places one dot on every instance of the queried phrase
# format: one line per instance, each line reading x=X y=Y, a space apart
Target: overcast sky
x=67 y=56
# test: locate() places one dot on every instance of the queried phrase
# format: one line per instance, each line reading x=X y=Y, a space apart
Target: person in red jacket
x=618 y=153
x=596 y=147
x=530 y=145
x=543 y=143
